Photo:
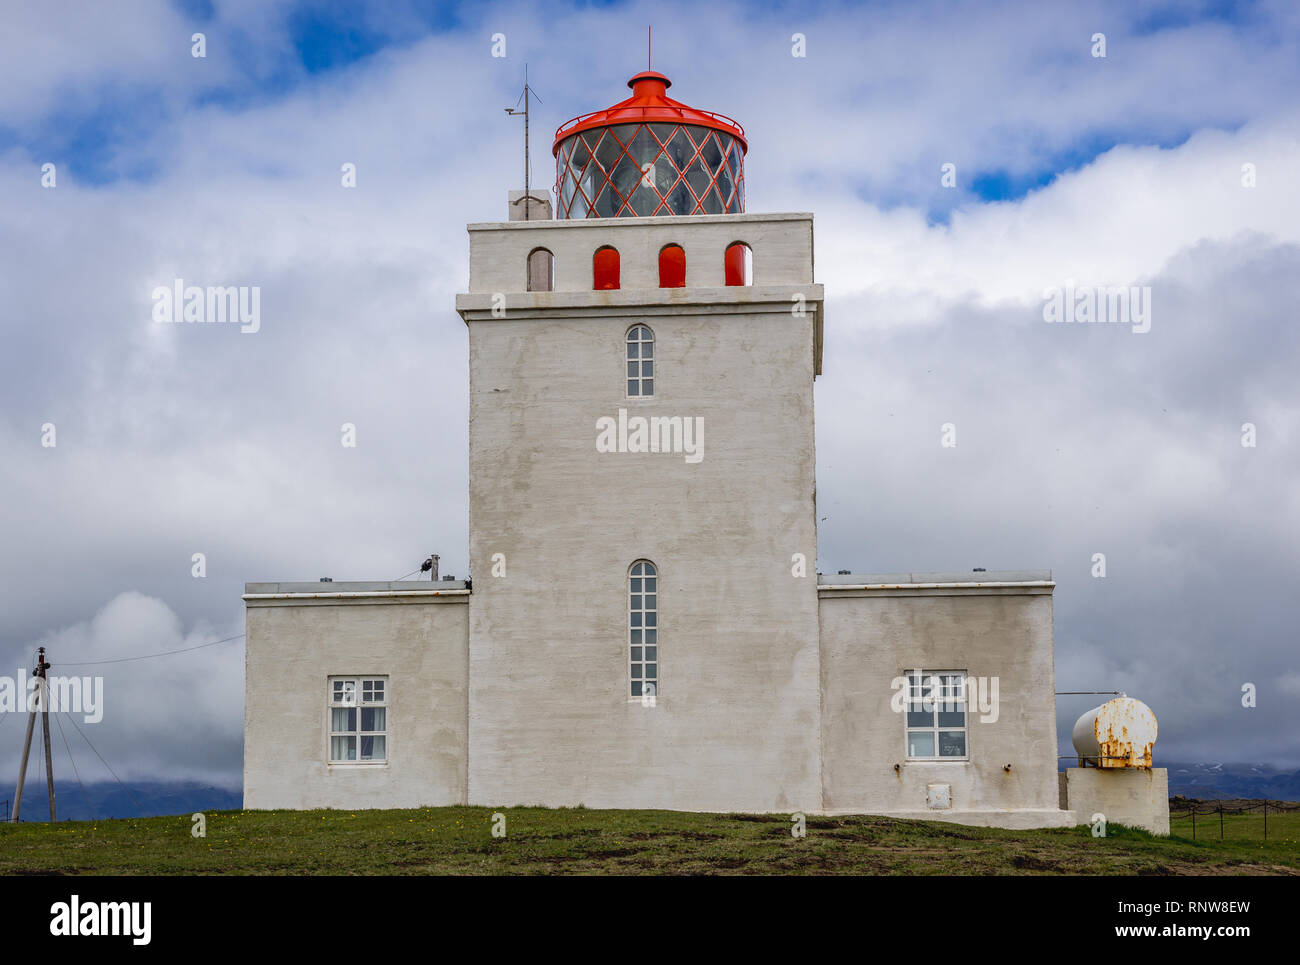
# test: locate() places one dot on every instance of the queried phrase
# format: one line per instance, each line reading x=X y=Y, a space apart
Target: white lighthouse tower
x=642 y=471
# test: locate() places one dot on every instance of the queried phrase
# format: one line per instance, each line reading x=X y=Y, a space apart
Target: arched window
x=643 y=628
x=640 y=362
x=541 y=271
x=672 y=267
x=739 y=264
x=604 y=269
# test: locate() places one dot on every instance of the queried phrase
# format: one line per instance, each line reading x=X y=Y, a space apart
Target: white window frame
x=360 y=697
x=639 y=633
x=917 y=690
x=640 y=361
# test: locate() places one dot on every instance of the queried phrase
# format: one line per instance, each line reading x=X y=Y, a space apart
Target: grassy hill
x=458 y=840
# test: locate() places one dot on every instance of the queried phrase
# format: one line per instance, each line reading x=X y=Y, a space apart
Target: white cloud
x=175 y=440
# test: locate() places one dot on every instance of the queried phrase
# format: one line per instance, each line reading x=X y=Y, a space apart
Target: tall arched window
x=604 y=269
x=739 y=264
x=672 y=267
x=643 y=628
x=640 y=362
x=541 y=271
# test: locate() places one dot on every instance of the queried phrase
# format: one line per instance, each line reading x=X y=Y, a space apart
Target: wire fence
x=1248 y=818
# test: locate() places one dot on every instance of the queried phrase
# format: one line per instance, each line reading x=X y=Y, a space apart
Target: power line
x=146 y=656
x=86 y=800
x=138 y=805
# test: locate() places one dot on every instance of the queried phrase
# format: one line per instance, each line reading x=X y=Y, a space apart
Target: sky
x=1169 y=165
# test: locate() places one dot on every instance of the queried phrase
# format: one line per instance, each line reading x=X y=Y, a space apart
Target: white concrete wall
x=781 y=246
x=736 y=720
x=294 y=646
x=869 y=637
x=1137 y=797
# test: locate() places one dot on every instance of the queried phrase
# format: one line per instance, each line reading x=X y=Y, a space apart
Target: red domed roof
x=649 y=102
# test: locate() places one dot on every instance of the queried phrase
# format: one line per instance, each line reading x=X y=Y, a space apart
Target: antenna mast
x=525 y=97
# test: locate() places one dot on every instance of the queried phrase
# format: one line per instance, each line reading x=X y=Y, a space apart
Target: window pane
x=636 y=653
x=343 y=719
x=955 y=718
x=650 y=581
x=636 y=601
x=373 y=718
x=636 y=688
x=651 y=653
x=632 y=349
x=650 y=636
x=651 y=671
x=920 y=744
x=343 y=748
x=636 y=618
x=372 y=748
x=632 y=372
x=649 y=618
x=952 y=743
x=647 y=368
x=633 y=388
x=650 y=602
x=648 y=387
x=636 y=636
x=921 y=718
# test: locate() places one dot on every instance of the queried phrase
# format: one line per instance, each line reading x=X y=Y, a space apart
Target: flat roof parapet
x=386 y=591
x=995 y=582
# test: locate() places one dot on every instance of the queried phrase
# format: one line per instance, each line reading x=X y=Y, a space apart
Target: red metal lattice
x=649 y=155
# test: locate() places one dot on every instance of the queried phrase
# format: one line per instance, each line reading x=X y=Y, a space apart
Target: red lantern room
x=649 y=155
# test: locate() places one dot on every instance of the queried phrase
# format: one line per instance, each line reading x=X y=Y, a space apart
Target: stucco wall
x=1137 y=797
x=736 y=719
x=869 y=637
x=781 y=246
x=294 y=646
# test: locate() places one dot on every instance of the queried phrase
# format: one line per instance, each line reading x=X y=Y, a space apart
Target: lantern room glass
x=640 y=170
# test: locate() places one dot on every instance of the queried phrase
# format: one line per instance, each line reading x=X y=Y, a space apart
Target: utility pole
x=42 y=665
x=42 y=690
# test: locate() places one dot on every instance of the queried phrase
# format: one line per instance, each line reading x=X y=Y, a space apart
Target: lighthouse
x=642 y=469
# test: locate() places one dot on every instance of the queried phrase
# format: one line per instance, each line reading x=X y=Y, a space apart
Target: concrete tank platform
x=1137 y=797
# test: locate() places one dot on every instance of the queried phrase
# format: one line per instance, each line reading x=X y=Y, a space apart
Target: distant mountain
x=1227 y=781
x=109 y=800
x=1232 y=781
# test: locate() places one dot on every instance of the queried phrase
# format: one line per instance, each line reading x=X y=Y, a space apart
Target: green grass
x=458 y=840
x=1240 y=828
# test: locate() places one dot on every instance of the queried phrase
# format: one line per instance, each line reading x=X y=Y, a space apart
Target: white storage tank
x=1119 y=733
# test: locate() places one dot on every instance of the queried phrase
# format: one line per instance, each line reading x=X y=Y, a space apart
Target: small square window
x=358 y=729
x=935 y=717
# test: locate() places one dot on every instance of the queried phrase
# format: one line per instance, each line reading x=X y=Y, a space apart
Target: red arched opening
x=672 y=267
x=604 y=269
x=739 y=264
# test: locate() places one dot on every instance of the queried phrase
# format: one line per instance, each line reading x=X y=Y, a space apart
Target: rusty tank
x=1119 y=733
